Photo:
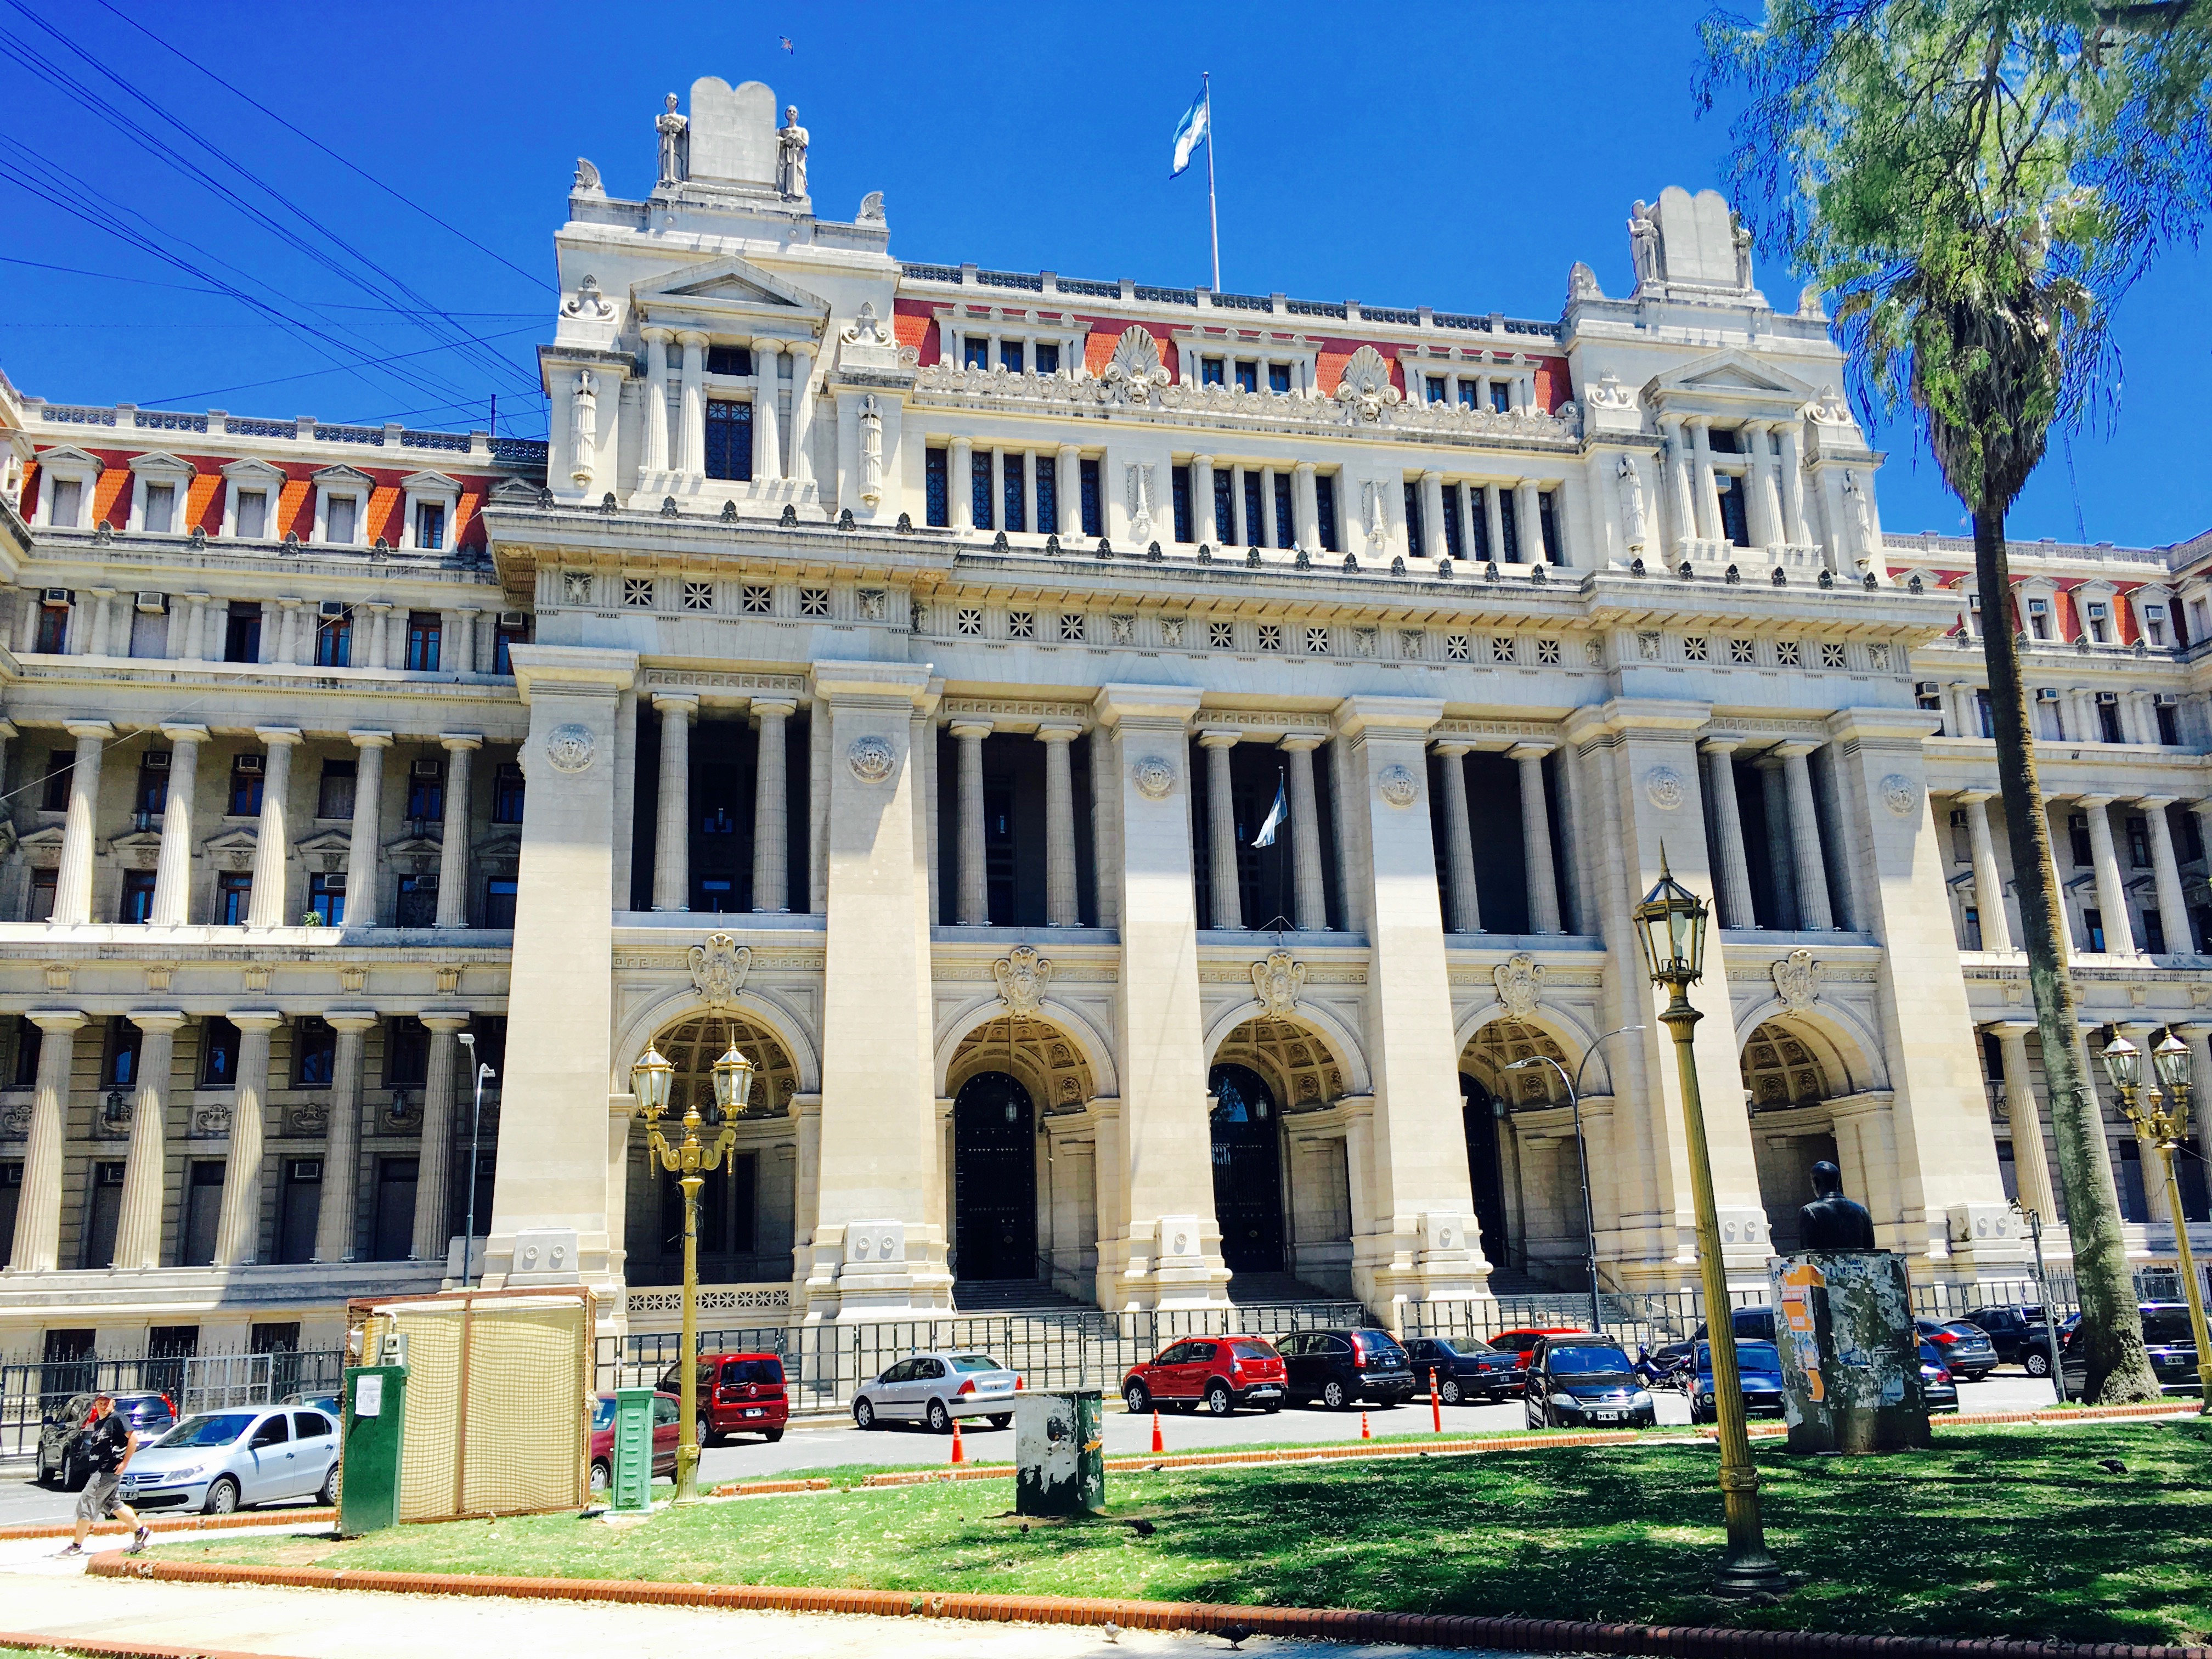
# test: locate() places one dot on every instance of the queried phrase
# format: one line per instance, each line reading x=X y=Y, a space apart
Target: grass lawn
x=1997 y=1531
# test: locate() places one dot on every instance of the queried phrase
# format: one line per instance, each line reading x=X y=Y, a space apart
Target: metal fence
x=31 y=1390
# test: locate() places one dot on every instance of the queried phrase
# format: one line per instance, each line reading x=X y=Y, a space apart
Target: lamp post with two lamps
x=1581 y=1153
x=1670 y=927
x=690 y=1161
x=2160 y=1114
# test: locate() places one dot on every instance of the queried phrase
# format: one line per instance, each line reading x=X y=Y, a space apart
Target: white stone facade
x=889 y=667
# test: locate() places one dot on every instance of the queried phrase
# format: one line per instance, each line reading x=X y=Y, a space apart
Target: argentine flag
x=1191 y=131
x=1276 y=814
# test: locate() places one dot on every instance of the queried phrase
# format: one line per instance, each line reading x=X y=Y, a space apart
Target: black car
x=1338 y=1367
x=1751 y=1325
x=2018 y=1332
x=1468 y=1371
x=1965 y=1346
x=2166 y=1338
x=1939 y=1391
x=61 y=1432
x=1585 y=1382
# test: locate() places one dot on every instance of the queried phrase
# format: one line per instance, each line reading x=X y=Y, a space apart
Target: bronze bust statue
x=1831 y=1221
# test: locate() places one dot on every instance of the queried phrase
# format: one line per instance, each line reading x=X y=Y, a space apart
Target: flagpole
x=1212 y=214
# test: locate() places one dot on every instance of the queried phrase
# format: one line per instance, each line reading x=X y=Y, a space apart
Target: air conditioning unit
x=249 y=763
x=2168 y=699
x=54 y=596
x=1958 y=820
x=2046 y=694
x=157 y=760
x=154 y=604
x=425 y=768
x=331 y=608
x=1929 y=689
x=2108 y=696
x=512 y=619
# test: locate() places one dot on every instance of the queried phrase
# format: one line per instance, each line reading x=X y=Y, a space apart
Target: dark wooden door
x=994 y=1174
x=1248 y=1182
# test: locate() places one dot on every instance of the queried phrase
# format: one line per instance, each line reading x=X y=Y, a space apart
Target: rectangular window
x=2099 y=623
x=1454 y=534
x=1501 y=397
x=1325 y=509
x=161 y=508
x=1224 y=506
x=430 y=525
x=417 y=904
x=1048 y=484
x=28 y=1038
x=2077 y=834
x=1047 y=357
x=2092 y=922
x=40 y=904
x=233 y=890
x=245 y=776
x=729 y=360
x=499 y=903
x=1469 y=393
x=2169 y=726
x=2139 y=842
x=53 y=629
x=1179 y=487
x=2108 y=722
x=425 y=633
x=1248 y=376
x=119 y=1063
x=937 y=511
x=105 y=1205
x=1416 y=534
x=978 y=352
x=1736 y=521
x=1213 y=371
x=334 y=796
x=1436 y=389
x=314 y=1053
x=65 y=502
x=2038 y=618
x=1010 y=356
x=241 y=633
x=426 y=790
x=2153 y=931
x=1547 y=520
x=979 y=487
x=407 y=1053
x=1279 y=377
x=218 y=1053
x=252 y=521
x=326 y=896
x=1256 y=516
x=1015 y=489
x=334 y=641
x=152 y=793
x=504 y=639
x=1973 y=928
x=1285 y=513
x=1982 y=714
x=340 y=512
x=138 y=903
x=299 y=1204
x=1094 y=508
x=1509 y=519
x=507 y=792
x=61 y=767
x=729 y=439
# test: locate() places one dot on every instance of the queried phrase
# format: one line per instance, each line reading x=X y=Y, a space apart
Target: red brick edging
x=1344 y=1625
x=95 y=1649
x=161 y=1525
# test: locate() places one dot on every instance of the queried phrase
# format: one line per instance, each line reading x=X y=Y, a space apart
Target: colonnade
x=2000 y=924
x=1774 y=479
x=685 y=451
x=100 y=625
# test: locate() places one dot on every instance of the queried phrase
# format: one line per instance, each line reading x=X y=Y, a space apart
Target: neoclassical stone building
x=1137 y=768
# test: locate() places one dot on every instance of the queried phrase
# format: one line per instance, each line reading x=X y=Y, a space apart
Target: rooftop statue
x=675 y=145
x=790 y=154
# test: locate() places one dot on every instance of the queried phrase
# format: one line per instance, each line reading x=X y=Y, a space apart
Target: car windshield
x=753 y=1371
x=602 y=1414
x=1960 y=1327
x=217 y=1429
x=2166 y=1326
x=1585 y=1361
x=1251 y=1350
x=1749 y=1356
x=975 y=1362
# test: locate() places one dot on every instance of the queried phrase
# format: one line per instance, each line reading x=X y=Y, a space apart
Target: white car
x=936 y=1387
x=218 y=1461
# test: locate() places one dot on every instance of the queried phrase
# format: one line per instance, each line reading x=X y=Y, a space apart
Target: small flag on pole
x=1275 y=816
x=1192 y=131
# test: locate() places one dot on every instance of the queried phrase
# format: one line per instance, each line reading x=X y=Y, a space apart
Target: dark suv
x=1576 y=1382
x=61 y=1432
x=2167 y=1339
x=737 y=1393
x=2017 y=1333
x=1338 y=1367
x=1751 y=1325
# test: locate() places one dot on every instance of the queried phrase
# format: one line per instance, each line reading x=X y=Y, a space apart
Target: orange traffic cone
x=959 y=1451
x=1435 y=1402
x=1158 y=1444
x=1366 y=1433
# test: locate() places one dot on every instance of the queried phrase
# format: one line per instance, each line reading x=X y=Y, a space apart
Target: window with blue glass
x=137 y=896
x=1256 y=522
x=978 y=487
x=426 y=633
x=1436 y=389
x=1094 y=506
x=326 y=898
x=1225 y=505
x=246 y=787
x=507 y=793
x=426 y=790
x=1015 y=489
x=1469 y=394
x=218 y=1053
x=1501 y=397
x=1325 y=510
x=334 y=641
x=499 y=903
x=1047 y=357
x=1285 y=514
x=729 y=360
x=1454 y=534
x=937 y=508
x=1010 y=356
x=1212 y=371
x=1414 y=538
x=1047 y=481
x=1179 y=487
x=1279 y=377
x=119 y=1064
x=1247 y=375
x=978 y=352
x=233 y=891
x=729 y=439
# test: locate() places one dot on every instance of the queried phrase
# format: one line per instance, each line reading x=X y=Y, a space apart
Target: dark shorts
x=97 y=1501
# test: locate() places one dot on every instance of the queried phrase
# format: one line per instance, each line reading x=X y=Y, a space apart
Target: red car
x=1215 y=1373
x=1523 y=1341
x=739 y=1394
x=667 y=1433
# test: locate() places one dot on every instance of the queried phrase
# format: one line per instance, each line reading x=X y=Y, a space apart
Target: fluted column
x=772 y=807
x=2166 y=869
x=1228 y=895
x=272 y=836
x=1708 y=493
x=1989 y=883
x=1459 y=840
x=1536 y=838
x=1062 y=906
x=693 y=454
x=672 y=847
x=1201 y=493
x=959 y=486
x=1306 y=505
x=802 y=414
x=1528 y=519
x=1493 y=519
x=238 y=1226
x=364 y=890
x=974 y=907
x=1433 y=538
x=1068 y=490
x=434 y=1167
x=1763 y=500
x=1312 y=900
x=1681 y=499
x=73 y=883
x=2031 y=1166
x=2111 y=888
x=453 y=842
x=335 y=1221
x=38 y=1242
x=767 y=442
x=1781 y=861
x=1811 y=871
x=172 y=867
x=1734 y=865
x=145 y=1169
x=1792 y=486
x=656 y=399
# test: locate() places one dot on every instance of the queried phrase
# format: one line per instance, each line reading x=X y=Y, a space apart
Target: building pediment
x=1728 y=378
x=430 y=483
x=729 y=285
x=254 y=471
x=340 y=473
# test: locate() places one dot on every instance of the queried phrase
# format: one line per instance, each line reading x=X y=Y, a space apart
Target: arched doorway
x=1485 y=1171
x=994 y=1178
x=1248 y=1181
x=1520 y=1152
x=1788 y=1083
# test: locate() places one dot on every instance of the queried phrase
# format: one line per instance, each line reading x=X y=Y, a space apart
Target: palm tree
x=1978 y=182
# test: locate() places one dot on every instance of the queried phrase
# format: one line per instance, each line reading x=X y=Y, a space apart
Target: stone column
x=2112 y=889
x=772 y=808
x=336 y=1223
x=1434 y=540
x=2173 y=908
x=453 y=843
x=364 y=889
x=672 y=847
x=693 y=456
x=1306 y=506
x=1068 y=490
x=1201 y=492
x=974 y=893
x=272 y=834
x=1708 y=496
x=1780 y=859
x=1528 y=519
x=38 y=1240
x=802 y=413
x=1792 y=486
x=1536 y=838
x=1680 y=502
x=1062 y=906
x=1763 y=502
x=73 y=883
x=2031 y=1165
x=433 y=1169
x=238 y=1226
x=1734 y=866
x=172 y=868
x=959 y=486
x=1227 y=892
x=656 y=399
x=1989 y=884
x=767 y=441
x=1459 y=841
x=1811 y=871
x=1312 y=901
x=145 y=1170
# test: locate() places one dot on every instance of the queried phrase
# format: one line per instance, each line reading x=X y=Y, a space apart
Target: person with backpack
x=109 y=1444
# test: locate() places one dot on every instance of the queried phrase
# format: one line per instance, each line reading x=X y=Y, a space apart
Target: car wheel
x=1528 y=1414
x=2038 y=1364
x=999 y=1419
x=1137 y=1397
x=703 y=1434
x=864 y=1414
x=1271 y=1406
x=940 y=1420
x=328 y=1496
x=1218 y=1401
x=1449 y=1389
x=222 y=1497
x=602 y=1479
x=771 y=1435
x=1334 y=1396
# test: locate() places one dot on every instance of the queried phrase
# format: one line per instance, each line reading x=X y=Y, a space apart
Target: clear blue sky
x=1456 y=155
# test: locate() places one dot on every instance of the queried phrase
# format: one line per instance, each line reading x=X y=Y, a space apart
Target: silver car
x=936 y=1387
x=218 y=1461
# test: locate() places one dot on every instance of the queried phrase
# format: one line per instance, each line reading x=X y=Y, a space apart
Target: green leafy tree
x=1978 y=182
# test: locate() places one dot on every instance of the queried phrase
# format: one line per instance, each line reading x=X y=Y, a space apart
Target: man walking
x=109 y=1444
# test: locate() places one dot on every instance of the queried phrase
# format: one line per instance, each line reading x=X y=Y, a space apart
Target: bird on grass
x=1142 y=1528
x=1234 y=1635
x=2112 y=1466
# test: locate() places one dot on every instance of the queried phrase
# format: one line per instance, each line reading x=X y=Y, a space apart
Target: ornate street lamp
x=1670 y=927
x=1582 y=1155
x=2160 y=1114
x=689 y=1162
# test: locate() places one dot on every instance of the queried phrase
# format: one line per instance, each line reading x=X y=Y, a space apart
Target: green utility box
x=632 y=1485
x=375 y=1418
x=1060 y=1453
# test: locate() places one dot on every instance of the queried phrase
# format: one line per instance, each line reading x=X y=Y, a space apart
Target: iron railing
x=32 y=1389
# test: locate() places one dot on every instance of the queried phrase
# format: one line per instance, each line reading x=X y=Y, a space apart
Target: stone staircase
x=991 y=1296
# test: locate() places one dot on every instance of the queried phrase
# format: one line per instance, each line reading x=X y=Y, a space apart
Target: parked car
x=61 y=1432
x=1521 y=1343
x=1468 y=1371
x=1219 y=1373
x=936 y=1387
x=1580 y=1380
x=1750 y=1325
x=218 y=1461
x=667 y=1435
x=325 y=1403
x=737 y=1393
x=2017 y=1332
x=1939 y=1389
x=2166 y=1338
x=1758 y=1371
x=1966 y=1346
x=1338 y=1367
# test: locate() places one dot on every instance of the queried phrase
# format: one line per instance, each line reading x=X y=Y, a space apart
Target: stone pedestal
x=1851 y=1357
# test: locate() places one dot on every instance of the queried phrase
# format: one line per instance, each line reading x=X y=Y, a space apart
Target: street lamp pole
x=1582 y=1154
x=690 y=1161
x=476 y=1125
x=2043 y=1288
x=2165 y=1126
x=1670 y=927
